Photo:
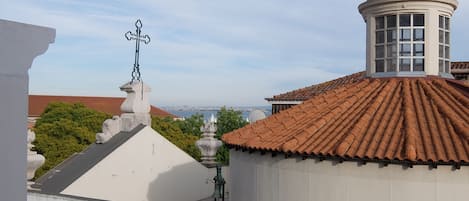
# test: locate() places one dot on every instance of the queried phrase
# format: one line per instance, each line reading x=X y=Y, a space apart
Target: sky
x=204 y=52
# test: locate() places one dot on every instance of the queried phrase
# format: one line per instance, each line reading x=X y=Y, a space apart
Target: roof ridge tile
x=409 y=121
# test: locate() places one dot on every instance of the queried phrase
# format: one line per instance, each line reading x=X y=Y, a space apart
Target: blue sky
x=203 y=52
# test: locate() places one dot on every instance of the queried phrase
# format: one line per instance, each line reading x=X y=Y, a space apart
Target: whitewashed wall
x=19 y=45
x=33 y=196
x=146 y=167
x=255 y=177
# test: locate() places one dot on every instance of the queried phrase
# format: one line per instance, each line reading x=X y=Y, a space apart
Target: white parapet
x=266 y=178
x=35 y=160
x=136 y=107
x=19 y=45
x=110 y=128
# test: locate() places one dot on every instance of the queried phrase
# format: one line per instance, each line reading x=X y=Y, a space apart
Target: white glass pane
x=405 y=50
x=447 y=38
x=419 y=65
x=391 y=21
x=447 y=66
x=447 y=52
x=380 y=51
x=380 y=22
x=442 y=36
x=379 y=65
x=447 y=23
x=379 y=37
x=391 y=36
x=419 y=35
x=404 y=65
x=405 y=35
x=442 y=22
x=404 y=20
x=391 y=50
x=419 y=20
x=441 y=51
x=391 y=65
x=441 y=65
x=419 y=50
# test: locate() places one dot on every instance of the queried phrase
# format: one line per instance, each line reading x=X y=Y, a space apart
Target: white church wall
x=19 y=45
x=146 y=167
x=256 y=177
x=33 y=196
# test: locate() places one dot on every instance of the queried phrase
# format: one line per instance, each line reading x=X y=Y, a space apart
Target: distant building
x=460 y=70
x=110 y=105
x=397 y=132
x=286 y=100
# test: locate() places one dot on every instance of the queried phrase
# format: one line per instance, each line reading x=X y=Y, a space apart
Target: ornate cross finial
x=137 y=37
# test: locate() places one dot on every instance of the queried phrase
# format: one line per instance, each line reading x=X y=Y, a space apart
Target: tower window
x=444 y=44
x=400 y=43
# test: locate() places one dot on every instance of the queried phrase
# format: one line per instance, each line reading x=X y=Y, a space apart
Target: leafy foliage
x=227 y=120
x=170 y=129
x=64 y=129
x=192 y=124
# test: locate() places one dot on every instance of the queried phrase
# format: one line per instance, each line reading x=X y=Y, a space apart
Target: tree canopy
x=192 y=124
x=64 y=129
x=227 y=120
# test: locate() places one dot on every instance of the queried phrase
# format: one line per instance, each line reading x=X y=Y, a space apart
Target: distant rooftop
x=110 y=105
x=313 y=90
x=460 y=67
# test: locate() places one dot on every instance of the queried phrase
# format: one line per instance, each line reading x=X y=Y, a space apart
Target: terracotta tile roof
x=308 y=92
x=460 y=67
x=408 y=120
x=110 y=105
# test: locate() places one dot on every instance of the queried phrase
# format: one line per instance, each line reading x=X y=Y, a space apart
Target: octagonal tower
x=409 y=38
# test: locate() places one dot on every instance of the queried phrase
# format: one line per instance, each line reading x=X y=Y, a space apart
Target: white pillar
x=19 y=45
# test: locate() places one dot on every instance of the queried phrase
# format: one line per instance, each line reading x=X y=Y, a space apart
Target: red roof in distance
x=313 y=90
x=110 y=105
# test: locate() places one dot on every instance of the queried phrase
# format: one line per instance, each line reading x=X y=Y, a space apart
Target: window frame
x=444 y=44
x=392 y=60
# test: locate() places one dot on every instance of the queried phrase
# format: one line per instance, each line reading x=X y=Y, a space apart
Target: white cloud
x=202 y=52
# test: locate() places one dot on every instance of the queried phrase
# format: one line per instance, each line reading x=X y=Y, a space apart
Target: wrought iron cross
x=138 y=38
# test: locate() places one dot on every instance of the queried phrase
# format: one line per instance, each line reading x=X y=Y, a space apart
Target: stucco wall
x=256 y=177
x=33 y=196
x=146 y=167
x=19 y=45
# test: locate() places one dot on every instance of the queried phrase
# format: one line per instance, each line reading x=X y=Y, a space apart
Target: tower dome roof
x=370 y=3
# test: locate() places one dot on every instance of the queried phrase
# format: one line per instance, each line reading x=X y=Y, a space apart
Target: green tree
x=192 y=124
x=227 y=120
x=64 y=129
x=170 y=129
x=76 y=112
